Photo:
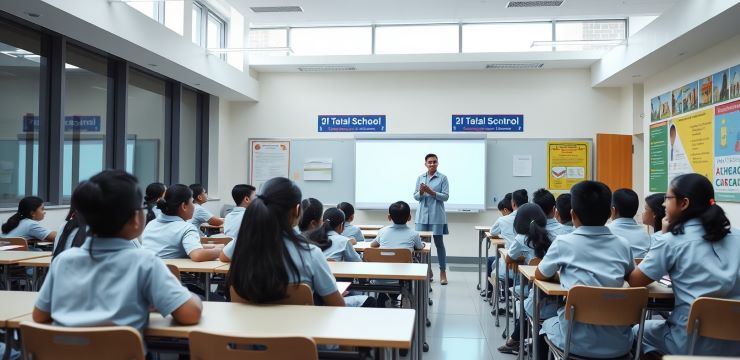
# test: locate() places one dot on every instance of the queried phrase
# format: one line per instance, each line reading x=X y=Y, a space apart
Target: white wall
x=721 y=56
x=555 y=104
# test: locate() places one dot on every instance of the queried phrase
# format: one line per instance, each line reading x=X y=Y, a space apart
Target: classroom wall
x=709 y=61
x=555 y=104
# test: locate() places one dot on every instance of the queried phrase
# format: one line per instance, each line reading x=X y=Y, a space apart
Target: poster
x=658 y=180
x=727 y=151
x=567 y=164
x=721 y=87
x=705 y=92
x=317 y=169
x=684 y=99
x=690 y=142
x=269 y=159
x=735 y=82
x=522 y=165
x=660 y=107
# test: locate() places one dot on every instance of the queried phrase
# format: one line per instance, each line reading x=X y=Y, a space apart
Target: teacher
x=431 y=191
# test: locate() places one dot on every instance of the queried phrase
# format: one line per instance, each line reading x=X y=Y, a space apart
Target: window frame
x=205 y=13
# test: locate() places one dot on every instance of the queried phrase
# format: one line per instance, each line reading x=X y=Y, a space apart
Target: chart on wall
x=696 y=129
x=268 y=159
x=567 y=163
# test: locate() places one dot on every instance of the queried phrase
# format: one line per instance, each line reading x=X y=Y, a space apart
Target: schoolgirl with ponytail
x=310 y=219
x=328 y=238
x=699 y=251
x=654 y=212
x=25 y=222
x=69 y=234
x=154 y=192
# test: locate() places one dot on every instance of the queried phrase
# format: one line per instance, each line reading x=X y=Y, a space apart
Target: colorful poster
x=735 y=82
x=727 y=151
x=690 y=140
x=684 y=99
x=721 y=87
x=658 y=157
x=705 y=91
x=269 y=159
x=567 y=163
x=660 y=107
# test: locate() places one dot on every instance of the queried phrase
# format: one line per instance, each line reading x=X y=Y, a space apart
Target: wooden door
x=614 y=160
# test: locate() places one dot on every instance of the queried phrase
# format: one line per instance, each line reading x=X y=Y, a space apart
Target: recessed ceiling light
x=515 y=66
x=32 y=14
x=275 y=9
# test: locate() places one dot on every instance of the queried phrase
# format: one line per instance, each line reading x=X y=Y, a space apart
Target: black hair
x=399 y=212
x=430 y=155
x=347 y=208
x=562 y=204
x=505 y=203
x=258 y=270
x=333 y=218
x=197 y=189
x=107 y=201
x=545 y=200
x=530 y=220
x=241 y=191
x=625 y=202
x=153 y=192
x=520 y=197
x=655 y=203
x=311 y=210
x=591 y=201
x=26 y=206
x=173 y=198
x=700 y=193
x=73 y=222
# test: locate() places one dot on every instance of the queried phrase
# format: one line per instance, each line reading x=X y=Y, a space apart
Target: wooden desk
x=36 y=262
x=361 y=246
x=12 y=257
x=366 y=270
x=16 y=304
x=426 y=236
x=370 y=227
x=207 y=226
x=204 y=267
x=527 y=271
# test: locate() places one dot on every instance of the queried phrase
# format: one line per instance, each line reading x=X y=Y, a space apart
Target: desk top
x=13 y=257
x=482 y=228
x=369 y=270
x=527 y=271
x=361 y=246
x=16 y=304
x=348 y=326
x=370 y=227
x=655 y=290
x=342 y=286
x=36 y=262
x=371 y=234
x=188 y=265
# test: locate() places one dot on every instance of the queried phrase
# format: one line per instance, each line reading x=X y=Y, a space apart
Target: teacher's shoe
x=443 y=277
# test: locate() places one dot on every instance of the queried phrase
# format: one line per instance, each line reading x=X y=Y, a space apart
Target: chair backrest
x=535 y=261
x=606 y=306
x=295 y=294
x=174 y=270
x=20 y=242
x=42 y=342
x=206 y=346
x=715 y=318
x=390 y=255
x=223 y=240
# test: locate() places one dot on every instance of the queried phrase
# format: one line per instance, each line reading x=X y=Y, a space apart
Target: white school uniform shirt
x=697 y=268
x=592 y=256
x=341 y=248
x=554 y=228
x=200 y=215
x=171 y=237
x=233 y=221
x=504 y=226
x=28 y=229
x=117 y=286
x=399 y=236
x=354 y=232
x=635 y=233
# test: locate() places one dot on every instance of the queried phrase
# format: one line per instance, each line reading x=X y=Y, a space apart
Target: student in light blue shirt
x=69 y=234
x=25 y=222
x=506 y=230
x=398 y=235
x=242 y=194
x=270 y=255
x=201 y=215
x=625 y=203
x=170 y=236
x=154 y=192
x=327 y=237
x=505 y=209
x=591 y=256
x=562 y=212
x=350 y=231
x=654 y=213
x=546 y=201
x=311 y=211
x=432 y=190
x=699 y=251
x=107 y=281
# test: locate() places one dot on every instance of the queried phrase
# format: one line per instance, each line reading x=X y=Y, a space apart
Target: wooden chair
x=222 y=240
x=394 y=255
x=42 y=342
x=713 y=318
x=20 y=242
x=174 y=270
x=296 y=294
x=604 y=307
x=206 y=346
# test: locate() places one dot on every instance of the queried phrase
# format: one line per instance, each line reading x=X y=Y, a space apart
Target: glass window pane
x=268 y=38
x=174 y=15
x=422 y=39
x=148 y=8
x=145 y=126
x=85 y=106
x=588 y=30
x=197 y=13
x=505 y=37
x=331 y=41
x=20 y=79
x=214 y=32
x=188 y=136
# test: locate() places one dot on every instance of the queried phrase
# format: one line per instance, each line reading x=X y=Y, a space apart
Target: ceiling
x=349 y=12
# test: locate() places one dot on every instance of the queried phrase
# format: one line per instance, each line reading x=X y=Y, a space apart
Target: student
x=506 y=227
x=591 y=256
x=242 y=194
x=270 y=254
x=201 y=215
x=562 y=212
x=654 y=212
x=69 y=234
x=154 y=192
x=505 y=209
x=350 y=231
x=625 y=203
x=699 y=251
x=546 y=201
x=398 y=235
x=170 y=236
x=327 y=237
x=311 y=210
x=107 y=281
x=25 y=222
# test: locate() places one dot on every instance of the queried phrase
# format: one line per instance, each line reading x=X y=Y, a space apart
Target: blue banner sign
x=81 y=123
x=351 y=123
x=503 y=123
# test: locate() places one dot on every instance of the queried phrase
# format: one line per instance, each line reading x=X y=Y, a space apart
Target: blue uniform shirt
x=399 y=236
x=504 y=226
x=592 y=256
x=354 y=232
x=28 y=229
x=636 y=234
x=233 y=221
x=432 y=208
x=171 y=237
x=554 y=228
x=200 y=215
x=117 y=286
x=341 y=249
x=312 y=268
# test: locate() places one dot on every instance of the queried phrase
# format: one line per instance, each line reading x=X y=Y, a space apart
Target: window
x=197 y=24
x=331 y=41
x=152 y=9
x=174 y=16
x=215 y=32
x=209 y=29
x=594 y=34
x=505 y=37
x=188 y=137
x=145 y=127
x=417 y=39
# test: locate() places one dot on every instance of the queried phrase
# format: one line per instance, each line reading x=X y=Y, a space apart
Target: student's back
x=335 y=246
x=350 y=230
x=341 y=248
x=398 y=235
x=625 y=203
x=242 y=195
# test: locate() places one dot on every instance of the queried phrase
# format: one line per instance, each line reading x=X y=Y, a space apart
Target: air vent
x=520 y=4
x=515 y=66
x=326 y=68
x=276 y=9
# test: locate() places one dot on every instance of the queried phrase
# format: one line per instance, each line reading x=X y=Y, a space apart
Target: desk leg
x=417 y=347
x=496 y=290
x=506 y=298
x=6 y=278
x=8 y=343
x=536 y=323
x=481 y=235
x=521 y=317
x=208 y=286
x=35 y=279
